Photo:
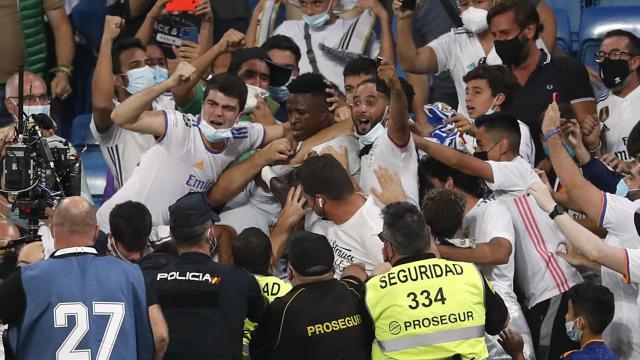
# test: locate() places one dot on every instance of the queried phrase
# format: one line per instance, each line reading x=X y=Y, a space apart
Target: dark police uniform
x=320 y=320
x=205 y=305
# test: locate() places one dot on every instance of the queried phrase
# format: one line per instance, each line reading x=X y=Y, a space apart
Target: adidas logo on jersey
x=199 y=165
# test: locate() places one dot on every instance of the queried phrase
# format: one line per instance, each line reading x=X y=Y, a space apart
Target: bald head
x=74 y=220
x=8 y=230
x=33 y=84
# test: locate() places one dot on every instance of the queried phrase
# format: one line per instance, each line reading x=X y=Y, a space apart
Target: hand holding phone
x=189 y=34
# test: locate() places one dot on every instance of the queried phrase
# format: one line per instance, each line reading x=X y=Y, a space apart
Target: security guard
x=252 y=251
x=204 y=303
x=425 y=307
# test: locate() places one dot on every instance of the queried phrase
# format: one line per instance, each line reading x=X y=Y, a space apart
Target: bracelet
x=66 y=69
x=551 y=134
x=594 y=150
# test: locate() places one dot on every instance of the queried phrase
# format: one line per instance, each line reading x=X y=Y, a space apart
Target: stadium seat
x=87 y=18
x=95 y=169
x=564 y=31
x=80 y=132
x=573 y=9
x=596 y=21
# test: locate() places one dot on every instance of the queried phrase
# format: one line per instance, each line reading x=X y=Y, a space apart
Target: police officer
x=321 y=317
x=425 y=307
x=204 y=303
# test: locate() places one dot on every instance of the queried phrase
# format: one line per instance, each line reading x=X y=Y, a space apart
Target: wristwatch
x=557 y=210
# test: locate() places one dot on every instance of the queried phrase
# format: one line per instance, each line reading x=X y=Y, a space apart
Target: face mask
x=372 y=135
x=491 y=108
x=212 y=134
x=622 y=189
x=140 y=79
x=566 y=147
x=574 y=335
x=614 y=73
x=161 y=74
x=252 y=102
x=37 y=109
x=280 y=93
x=318 y=20
x=475 y=19
x=510 y=51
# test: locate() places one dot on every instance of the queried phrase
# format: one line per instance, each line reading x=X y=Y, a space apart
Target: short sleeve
x=498 y=223
x=249 y=136
x=527 y=148
x=632 y=266
x=617 y=217
x=107 y=138
x=177 y=134
x=576 y=86
x=507 y=176
x=354 y=284
x=443 y=46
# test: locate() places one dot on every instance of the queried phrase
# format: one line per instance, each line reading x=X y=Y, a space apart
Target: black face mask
x=512 y=51
x=614 y=72
x=482 y=155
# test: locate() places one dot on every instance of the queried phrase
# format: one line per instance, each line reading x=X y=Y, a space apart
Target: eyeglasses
x=614 y=54
x=34 y=99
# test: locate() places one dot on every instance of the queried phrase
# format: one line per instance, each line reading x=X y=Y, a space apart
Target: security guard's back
x=425 y=307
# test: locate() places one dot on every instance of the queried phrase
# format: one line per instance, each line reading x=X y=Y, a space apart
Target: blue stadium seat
x=95 y=169
x=87 y=18
x=564 y=31
x=80 y=132
x=573 y=9
x=596 y=21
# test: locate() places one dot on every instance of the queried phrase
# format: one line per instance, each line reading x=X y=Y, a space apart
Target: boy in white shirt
x=488 y=231
x=543 y=276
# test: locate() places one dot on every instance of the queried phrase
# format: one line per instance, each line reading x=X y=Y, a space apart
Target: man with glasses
x=618 y=108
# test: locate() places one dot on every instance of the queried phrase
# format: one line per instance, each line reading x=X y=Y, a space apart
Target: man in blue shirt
x=76 y=303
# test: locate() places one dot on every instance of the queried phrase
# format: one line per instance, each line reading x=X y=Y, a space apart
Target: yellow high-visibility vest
x=272 y=288
x=428 y=309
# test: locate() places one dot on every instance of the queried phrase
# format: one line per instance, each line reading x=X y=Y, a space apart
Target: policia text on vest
x=431 y=308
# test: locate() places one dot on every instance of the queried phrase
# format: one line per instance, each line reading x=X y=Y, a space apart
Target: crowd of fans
x=282 y=192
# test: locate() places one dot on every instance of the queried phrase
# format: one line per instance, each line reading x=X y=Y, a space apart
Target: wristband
x=551 y=134
x=66 y=69
x=595 y=149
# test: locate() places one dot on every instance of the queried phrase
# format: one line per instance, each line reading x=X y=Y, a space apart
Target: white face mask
x=475 y=19
x=318 y=20
x=35 y=109
x=252 y=102
x=212 y=134
x=491 y=108
x=140 y=79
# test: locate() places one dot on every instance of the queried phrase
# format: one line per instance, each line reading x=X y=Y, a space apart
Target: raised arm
x=386 y=35
x=231 y=41
x=132 y=114
x=550 y=28
x=146 y=29
x=417 y=61
x=585 y=194
x=495 y=252
x=292 y=212
x=102 y=89
x=455 y=159
x=65 y=49
x=591 y=246
x=398 y=125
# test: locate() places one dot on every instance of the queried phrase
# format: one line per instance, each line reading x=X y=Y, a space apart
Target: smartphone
x=189 y=34
x=408 y=5
x=379 y=61
x=181 y=5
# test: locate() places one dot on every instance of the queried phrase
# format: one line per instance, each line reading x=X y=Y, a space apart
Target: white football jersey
x=618 y=116
x=540 y=272
x=180 y=163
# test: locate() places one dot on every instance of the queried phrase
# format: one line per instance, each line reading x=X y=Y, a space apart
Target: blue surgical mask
x=574 y=335
x=280 y=93
x=622 y=189
x=212 y=134
x=318 y=20
x=161 y=74
x=140 y=79
x=566 y=146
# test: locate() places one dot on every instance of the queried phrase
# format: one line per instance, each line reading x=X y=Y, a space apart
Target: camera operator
x=36 y=101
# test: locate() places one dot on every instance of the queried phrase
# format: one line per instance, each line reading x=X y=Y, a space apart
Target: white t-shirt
x=178 y=164
x=459 y=52
x=355 y=240
x=623 y=334
x=328 y=66
x=619 y=116
x=540 y=272
x=527 y=147
x=402 y=161
x=122 y=148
